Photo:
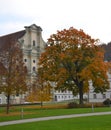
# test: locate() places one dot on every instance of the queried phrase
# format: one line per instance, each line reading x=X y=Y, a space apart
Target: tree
x=40 y=90
x=72 y=59
x=13 y=78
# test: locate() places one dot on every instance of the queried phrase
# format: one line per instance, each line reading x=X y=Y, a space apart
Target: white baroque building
x=32 y=45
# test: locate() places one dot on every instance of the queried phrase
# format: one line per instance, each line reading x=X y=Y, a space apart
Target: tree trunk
x=81 y=95
x=41 y=104
x=8 y=104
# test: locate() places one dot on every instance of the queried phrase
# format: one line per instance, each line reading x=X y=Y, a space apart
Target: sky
x=92 y=16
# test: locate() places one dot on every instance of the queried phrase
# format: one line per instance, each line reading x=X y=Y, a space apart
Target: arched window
x=34 y=69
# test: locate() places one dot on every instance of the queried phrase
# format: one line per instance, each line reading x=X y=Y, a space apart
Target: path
x=52 y=118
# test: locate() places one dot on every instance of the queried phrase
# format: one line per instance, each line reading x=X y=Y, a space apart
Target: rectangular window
x=33 y=42
x=104 y=96
x=94 y=96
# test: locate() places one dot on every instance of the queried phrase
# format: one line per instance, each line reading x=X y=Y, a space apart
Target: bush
x=72 y=105
x=86 y=105
x=107 y=102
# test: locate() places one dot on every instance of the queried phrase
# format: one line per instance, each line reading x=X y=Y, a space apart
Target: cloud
x=90 y=15
x=10 y=27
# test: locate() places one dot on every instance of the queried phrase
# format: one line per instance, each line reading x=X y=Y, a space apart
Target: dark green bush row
x=86 y=105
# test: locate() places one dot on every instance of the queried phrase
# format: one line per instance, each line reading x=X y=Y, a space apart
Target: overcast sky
x=93 y=16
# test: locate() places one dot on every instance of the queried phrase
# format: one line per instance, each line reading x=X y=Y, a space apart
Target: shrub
x=107 y=102
x=72 y=105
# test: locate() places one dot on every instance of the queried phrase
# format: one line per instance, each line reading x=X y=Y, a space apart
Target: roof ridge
x=12 y=33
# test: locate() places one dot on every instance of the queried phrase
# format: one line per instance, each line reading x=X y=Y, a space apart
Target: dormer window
x=33 y=42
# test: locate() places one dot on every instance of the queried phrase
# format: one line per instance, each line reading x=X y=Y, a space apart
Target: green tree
x=72 y=59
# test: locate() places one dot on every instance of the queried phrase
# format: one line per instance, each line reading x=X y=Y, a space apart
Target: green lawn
x=80 y=123
x=33 y=112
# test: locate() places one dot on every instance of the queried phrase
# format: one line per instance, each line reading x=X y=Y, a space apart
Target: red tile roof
x=8 y=39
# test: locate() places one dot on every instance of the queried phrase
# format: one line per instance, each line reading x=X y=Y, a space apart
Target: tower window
x=25 y=60
x=33 y=42
x=34 y=68
x=33 y=61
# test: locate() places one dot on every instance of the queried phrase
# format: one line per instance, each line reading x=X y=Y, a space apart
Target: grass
x=52 y=110
x=80 y=123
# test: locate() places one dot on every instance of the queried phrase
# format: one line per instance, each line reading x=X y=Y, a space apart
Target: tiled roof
x=7 y=39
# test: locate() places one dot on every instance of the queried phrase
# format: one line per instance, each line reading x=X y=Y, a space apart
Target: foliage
x=39 y=95
x=86 y=105
x=71 y=60
x=72 y=105
x=40 y=91
x=13 y=76
x=107 y=102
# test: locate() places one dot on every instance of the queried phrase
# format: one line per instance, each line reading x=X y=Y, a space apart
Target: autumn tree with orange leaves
x=72 y=59
x=39 y=94
x=40 y=90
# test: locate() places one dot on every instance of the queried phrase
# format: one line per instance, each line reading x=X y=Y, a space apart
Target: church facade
x=32 y=45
